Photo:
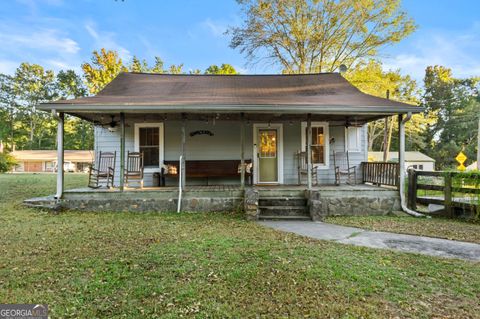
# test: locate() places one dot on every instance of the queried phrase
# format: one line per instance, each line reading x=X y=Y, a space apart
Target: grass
x=87 y=265
x=431 y=227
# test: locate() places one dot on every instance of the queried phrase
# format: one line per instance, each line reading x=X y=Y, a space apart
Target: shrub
x=7 y=161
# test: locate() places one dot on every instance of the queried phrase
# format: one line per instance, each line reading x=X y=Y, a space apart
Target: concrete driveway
x=383 y=240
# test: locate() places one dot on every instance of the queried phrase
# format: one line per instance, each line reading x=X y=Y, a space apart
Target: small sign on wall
x=201 y=132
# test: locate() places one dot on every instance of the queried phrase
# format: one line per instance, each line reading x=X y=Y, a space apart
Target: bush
x=7 y=162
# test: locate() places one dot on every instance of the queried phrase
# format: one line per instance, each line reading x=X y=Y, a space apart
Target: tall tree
x=370 y=78
x=223 y=69
x=78 y=133
x=8 y=110
x=305 y=36
x=105 y=66
x=456 y=105
x=32 y=85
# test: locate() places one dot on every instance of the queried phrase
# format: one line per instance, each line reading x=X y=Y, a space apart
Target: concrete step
x=42 y=202
x=284 y=210
x=266 y=217
x=282 y=201
x=281 y=192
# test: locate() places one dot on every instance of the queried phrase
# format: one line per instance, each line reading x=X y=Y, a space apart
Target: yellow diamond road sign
x=461 y=167
x=461 y=158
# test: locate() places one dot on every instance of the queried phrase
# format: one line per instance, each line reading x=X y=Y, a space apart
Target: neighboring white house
x=46 y=160
x=417 y=160
x=472 y=167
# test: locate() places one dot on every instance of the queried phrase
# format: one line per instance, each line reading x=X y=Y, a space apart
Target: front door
x=268 y=143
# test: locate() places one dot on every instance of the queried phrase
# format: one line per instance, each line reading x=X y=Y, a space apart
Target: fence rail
x=453 y=190
x=381 y=173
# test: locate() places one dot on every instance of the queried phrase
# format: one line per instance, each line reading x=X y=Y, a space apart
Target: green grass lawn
x=87 y=265
x=432 y=227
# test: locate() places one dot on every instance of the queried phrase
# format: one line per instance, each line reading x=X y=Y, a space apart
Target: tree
x=8 y=110
x=370 y=78
x=78 y=132
x=223 y=69
x=305 y=36
x=32 y=85
x=455 y=103
x=70 y=85
x=105 y=66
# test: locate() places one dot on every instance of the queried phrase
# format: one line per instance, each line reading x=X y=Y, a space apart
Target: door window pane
x=149 y=144
x=268 y=143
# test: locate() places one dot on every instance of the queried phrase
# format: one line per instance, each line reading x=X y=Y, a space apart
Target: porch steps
x=287 y=207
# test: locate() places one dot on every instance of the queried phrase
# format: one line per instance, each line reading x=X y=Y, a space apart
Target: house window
x=319 y=143
x=149 y=146
x=415 y=166
x=420 y=167
x=149 y=141
x=352 y=139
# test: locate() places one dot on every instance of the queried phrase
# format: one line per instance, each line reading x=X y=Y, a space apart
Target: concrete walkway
x=360 y=237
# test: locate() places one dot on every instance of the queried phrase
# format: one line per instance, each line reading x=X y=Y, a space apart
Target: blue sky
x=61 y=34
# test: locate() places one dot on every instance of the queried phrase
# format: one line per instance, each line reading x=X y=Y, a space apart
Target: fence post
x=412 y=189
x=448 y=194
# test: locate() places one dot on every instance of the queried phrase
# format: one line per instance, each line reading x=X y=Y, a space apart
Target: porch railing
x=381 y=173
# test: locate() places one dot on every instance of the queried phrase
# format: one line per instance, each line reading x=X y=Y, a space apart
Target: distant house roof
x=393 y=156
x=321 y=93
x=472 y=166
x=48 y=155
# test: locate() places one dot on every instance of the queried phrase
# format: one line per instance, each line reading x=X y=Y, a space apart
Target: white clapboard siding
x=225 y=145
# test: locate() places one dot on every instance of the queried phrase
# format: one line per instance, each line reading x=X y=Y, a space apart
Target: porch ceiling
x=105 y=117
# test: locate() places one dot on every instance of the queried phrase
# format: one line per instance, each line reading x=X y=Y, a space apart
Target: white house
x=416 y=160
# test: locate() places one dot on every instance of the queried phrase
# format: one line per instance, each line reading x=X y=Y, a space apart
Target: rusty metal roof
x=312 y=90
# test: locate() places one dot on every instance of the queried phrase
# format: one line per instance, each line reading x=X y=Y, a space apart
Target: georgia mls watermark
x=27 y=311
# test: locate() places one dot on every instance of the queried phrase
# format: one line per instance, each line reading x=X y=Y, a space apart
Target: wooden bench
x=210 y=168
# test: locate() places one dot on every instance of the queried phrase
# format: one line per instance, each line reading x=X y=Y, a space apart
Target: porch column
x=122 y=151
x=183 y=172
x=60 y=173
x=309 y=151
x=401 y=149
x=242 y=151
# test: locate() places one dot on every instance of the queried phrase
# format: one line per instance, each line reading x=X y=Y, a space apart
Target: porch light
x=112 y=129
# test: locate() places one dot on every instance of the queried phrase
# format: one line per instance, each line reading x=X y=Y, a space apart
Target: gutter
x=258 y=108
x=402 y=168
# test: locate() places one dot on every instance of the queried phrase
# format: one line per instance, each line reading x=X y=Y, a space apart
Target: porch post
x=184 y=123
x=401 y=149
x=122 y=151
x=242 y=151
x=309 y=151
x=60 y=173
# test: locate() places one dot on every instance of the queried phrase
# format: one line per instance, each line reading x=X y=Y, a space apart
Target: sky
x=61 y=34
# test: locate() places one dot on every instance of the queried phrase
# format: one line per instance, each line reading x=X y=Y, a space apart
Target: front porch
x=258 y=202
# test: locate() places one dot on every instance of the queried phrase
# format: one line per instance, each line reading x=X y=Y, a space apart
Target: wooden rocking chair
x=302 y=168
x=104 y=171
x=134 y=168
x=341 y=162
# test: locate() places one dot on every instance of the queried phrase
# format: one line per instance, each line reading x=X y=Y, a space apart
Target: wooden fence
x=381 y=173
x=453 y=190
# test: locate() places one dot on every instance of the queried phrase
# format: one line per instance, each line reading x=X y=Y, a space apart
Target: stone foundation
x=154 y=205
x=251 y=204
x=355 y=202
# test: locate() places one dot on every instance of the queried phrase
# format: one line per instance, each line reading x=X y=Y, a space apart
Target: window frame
x=326 y=132
x=358 y=139
x=160 y=143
